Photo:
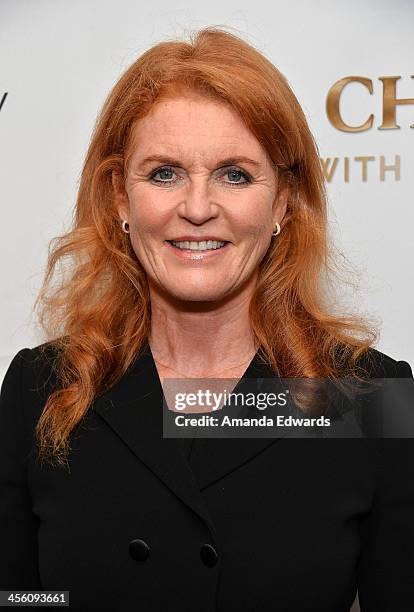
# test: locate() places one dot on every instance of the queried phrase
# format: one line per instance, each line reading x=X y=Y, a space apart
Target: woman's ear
x=120 y=195
x=280 y=205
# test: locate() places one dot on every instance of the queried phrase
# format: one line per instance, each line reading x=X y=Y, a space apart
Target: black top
x=257 y=524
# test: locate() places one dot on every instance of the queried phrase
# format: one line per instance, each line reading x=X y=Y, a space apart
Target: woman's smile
x=197 y=251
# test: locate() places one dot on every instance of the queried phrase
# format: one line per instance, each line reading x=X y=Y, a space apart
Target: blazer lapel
x=214 y=458
x=133 y=409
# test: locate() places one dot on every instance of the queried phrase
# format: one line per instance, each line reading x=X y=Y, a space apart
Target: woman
x=198 y=249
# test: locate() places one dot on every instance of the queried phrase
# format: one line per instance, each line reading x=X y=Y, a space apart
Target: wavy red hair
x=97 y=316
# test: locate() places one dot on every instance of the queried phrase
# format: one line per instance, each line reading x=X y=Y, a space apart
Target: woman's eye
x=161 y=171
x=233 y=173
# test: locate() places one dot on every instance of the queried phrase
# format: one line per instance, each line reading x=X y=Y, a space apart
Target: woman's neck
x=200 y=343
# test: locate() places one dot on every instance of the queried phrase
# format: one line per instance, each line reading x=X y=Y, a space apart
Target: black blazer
x=250 y=525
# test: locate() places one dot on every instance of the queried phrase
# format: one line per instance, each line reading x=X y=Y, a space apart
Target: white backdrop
x=59 y=59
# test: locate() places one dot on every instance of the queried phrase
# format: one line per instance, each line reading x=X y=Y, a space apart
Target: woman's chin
x=196 y=294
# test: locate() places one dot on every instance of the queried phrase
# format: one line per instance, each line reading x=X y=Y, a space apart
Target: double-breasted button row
x=139 y=550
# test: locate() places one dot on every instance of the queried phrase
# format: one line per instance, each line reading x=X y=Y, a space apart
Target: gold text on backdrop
x=389 y=103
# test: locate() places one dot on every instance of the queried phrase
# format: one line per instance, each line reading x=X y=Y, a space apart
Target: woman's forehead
x=177 y=131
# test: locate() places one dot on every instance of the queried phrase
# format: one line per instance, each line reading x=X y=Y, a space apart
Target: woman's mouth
x=203 y=245
x=203 y=250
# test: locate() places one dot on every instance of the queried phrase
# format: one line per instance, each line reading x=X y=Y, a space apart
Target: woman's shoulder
x=30 y=376
x=381 y=365
x=26 y=385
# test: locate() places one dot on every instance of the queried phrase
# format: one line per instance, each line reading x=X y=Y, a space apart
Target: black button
x=208 y=555
x=139 y=550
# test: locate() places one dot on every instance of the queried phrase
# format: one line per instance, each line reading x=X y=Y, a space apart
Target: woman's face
x=198 y=177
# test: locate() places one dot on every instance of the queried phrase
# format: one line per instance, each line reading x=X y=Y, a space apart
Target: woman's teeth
x=205 y=245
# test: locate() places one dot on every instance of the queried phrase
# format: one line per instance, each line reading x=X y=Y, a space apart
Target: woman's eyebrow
x=224 y=162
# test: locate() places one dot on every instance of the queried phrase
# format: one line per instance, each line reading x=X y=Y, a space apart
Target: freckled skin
x=199 y=197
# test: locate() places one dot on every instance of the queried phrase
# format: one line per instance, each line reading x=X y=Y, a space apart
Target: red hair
x=98 y=316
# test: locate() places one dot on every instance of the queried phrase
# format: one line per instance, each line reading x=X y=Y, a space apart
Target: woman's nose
x=198 y=204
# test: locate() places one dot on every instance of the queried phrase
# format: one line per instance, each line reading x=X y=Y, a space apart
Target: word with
x=330 y=165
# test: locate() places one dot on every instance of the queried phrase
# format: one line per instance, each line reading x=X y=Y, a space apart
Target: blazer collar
x=133 y=410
